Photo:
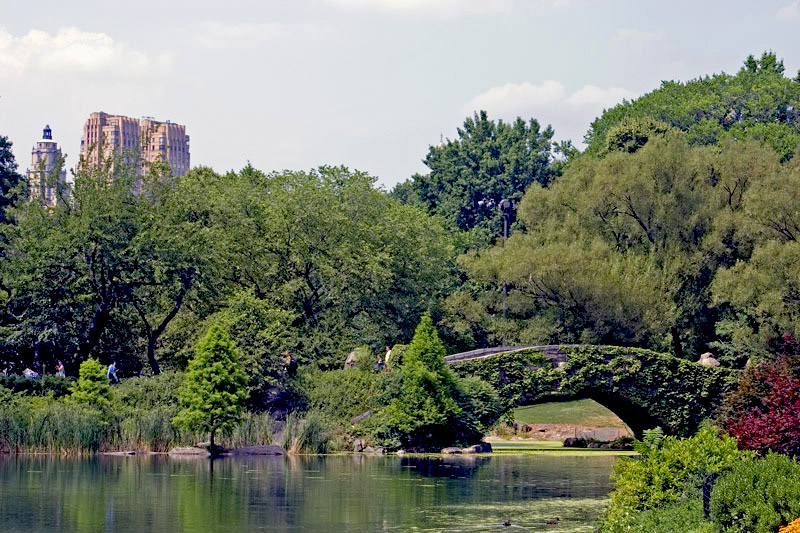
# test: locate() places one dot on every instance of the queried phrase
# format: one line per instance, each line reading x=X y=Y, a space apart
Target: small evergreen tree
x=426 y=404
x=92 y=388
x=215 y=389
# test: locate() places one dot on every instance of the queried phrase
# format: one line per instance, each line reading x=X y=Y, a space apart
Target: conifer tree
x=214 y=392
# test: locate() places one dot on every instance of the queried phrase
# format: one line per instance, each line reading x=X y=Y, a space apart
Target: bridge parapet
x=554 y=352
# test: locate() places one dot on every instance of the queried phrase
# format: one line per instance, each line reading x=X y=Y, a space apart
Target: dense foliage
x=763 y=413
x=757 y=496
x=489 y=161
x=759 y=103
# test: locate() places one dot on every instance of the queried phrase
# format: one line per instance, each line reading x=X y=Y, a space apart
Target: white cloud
x=790 y=11
x=549 y=103
x=213 y=34
x=445 y=8
x=70 y=49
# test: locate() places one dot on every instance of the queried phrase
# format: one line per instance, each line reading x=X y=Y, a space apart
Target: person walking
x=60 y=369
x=112 y=373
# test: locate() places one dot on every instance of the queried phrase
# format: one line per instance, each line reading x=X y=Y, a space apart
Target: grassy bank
x=583 y=412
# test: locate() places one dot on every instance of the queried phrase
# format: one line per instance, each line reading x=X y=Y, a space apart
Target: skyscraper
x=141 y=142
x=42 y=181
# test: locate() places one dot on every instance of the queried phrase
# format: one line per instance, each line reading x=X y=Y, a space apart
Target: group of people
x=111 y=372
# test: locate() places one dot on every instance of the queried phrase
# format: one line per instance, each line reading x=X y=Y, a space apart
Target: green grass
x=579 y=412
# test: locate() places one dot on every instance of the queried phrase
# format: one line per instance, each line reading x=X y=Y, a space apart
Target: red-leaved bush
x=764 y=413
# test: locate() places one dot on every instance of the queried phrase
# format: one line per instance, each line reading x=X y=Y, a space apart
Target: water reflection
x=280 y=494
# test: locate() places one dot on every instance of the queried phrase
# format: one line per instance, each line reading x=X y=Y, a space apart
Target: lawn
x=578 y=412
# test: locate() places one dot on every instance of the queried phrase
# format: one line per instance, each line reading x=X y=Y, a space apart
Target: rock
x=487 y=447
x=608 y=433
x=350 y=362
x=472 y=449
x=361 y=417
x=368 y=449
x=707 y=359
x=574 y=442
x=593 y=445
x=451 y=450
x=206 y=444
x=359 y=445
x=189 y=450
x=400 y=452
x=380 y=451
x=264 y=449
x=606 y=446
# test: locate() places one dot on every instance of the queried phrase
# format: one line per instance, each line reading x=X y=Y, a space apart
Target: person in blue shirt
x=112 y=372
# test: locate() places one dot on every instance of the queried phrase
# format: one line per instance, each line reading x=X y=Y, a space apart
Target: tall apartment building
x=41 y=179
x=143 y=141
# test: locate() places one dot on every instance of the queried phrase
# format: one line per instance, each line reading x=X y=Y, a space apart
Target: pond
x=339 y=493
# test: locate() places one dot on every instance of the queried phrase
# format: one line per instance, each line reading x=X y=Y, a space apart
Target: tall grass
x=305 y=435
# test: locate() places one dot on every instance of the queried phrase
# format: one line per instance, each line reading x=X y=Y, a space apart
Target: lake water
x=309 y=493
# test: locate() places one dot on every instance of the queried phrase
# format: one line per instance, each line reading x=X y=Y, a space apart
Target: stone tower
x=42 y=176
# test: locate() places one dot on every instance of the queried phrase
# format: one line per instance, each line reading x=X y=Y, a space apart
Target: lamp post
x=507 y=207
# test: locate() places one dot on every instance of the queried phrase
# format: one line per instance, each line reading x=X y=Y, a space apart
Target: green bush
x=758 y=495
x=147 y=392
x=667 y=470
x=685 y=517
x=338 y=395
x=92 y=388
x=46 y=385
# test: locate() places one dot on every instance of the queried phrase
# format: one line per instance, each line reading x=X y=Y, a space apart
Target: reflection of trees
x=453 y=466
x=277 y=494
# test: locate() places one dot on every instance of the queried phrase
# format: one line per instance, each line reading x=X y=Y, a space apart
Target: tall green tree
x=757 y=103
x=10 y=179
x=488 y=162
x=349 y=263
x=83 y=273
x=215 y=388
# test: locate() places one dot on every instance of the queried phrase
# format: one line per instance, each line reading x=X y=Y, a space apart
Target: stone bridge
x=645 y=389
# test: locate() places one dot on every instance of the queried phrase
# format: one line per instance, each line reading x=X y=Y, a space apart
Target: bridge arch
x=644 y=388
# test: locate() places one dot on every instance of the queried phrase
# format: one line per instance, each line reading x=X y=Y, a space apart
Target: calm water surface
x=278 y=494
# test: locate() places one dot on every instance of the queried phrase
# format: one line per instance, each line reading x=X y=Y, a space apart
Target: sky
x=370 y=84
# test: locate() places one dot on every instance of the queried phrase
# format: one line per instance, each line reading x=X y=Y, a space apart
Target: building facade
x=43 y=180
x=140 y=142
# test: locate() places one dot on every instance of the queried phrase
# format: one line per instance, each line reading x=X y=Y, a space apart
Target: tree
x=118 y=250
x=92 y=388
x=349 y=263
x=10 y=179
x=490 y=161
x=215 y=387
x=758 y=103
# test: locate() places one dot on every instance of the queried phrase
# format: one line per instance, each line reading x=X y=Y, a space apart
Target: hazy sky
x=365 y=83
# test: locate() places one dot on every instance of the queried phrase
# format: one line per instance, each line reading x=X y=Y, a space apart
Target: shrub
x=758 y=495
x=666 y=471
x=46 y=385
x=147 y=392
x=92 y=388
x=338 y=394
x=685 y=516
x=764 y=412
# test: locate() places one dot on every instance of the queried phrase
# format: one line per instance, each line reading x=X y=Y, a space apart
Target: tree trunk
x=151 y=355
x=676 y=342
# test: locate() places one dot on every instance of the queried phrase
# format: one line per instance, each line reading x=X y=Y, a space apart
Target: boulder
x=472 y=449
x=359 y=445
x=707 y=359
x=189 y=450
x=368 y=449
x=451 y=450
x=264 y=449
x=400 y=452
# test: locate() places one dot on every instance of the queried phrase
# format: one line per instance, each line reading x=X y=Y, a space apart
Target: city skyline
x=368 y=84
